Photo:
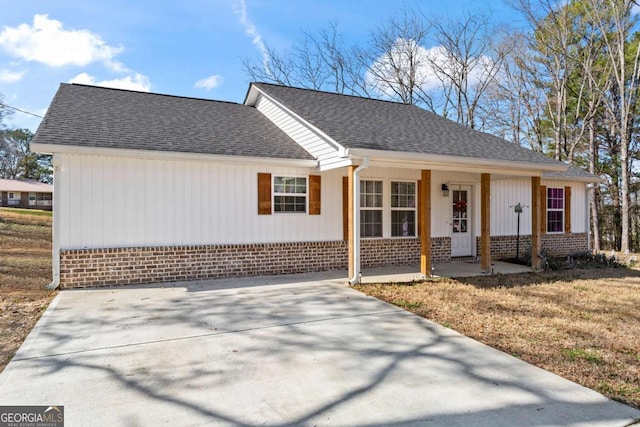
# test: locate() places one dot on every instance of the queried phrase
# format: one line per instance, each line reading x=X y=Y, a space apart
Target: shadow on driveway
x=277 y=352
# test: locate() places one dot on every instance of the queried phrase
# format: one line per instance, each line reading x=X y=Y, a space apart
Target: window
x=370 y=208
x=403 y=209
x=555 y=210
x=11 y=195
x=289 y=194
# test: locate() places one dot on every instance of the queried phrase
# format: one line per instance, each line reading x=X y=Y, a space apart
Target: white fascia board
x=167 y=155
x=440 y=162
x=341 y=163
x=252 y=99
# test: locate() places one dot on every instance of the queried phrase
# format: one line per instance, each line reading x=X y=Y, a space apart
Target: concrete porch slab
x=454 y=269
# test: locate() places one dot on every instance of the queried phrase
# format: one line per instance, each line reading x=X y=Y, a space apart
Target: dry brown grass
x=25 y=268
x=581 y=324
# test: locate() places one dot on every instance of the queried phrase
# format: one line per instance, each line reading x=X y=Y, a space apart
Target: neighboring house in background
x=24 y=193
x=155 y=188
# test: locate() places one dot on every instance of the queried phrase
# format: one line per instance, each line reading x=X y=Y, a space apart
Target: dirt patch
x=581 y=324
x=25 y=269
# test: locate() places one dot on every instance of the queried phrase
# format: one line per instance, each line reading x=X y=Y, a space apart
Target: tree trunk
x=595 y=219
x=624 y=203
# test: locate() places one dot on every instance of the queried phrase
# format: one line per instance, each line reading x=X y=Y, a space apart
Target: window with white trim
x=555 y=210
x=403 y=208
x=370 y=208
x=290 y=194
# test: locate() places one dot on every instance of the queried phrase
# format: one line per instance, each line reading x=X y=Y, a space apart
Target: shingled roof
x=356 y=122
x=92 y=116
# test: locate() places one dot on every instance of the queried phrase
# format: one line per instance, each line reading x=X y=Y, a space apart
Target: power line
x=17 y=109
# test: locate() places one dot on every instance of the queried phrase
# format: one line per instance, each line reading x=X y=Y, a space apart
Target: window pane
x=555 y=198
x=371 y=194
x=403 y=194
x=290 y=204
x=403 y=223
x=555 y=221
x=371 y=223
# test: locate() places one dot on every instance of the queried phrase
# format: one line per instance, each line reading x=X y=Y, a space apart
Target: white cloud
x=48 y=42
x=240 y=8
x=8 y=76
x=433 y=68
x=210 y=82
x=136 y=82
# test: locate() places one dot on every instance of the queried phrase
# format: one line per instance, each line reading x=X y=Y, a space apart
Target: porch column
x=536 y=241
x=350 y=204
x=424 y=222
x=485 y=222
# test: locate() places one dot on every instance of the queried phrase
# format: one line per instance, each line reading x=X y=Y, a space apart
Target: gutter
x=356 y=221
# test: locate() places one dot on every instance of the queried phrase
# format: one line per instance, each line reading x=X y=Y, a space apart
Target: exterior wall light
x=445 y=190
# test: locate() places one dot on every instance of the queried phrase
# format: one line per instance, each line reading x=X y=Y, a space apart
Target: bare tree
x=467 y=63
x=318 y=61
x=615 y=23
x=395 y=59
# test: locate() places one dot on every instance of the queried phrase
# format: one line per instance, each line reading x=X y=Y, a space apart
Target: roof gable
x=365 y=123
x=91 y=116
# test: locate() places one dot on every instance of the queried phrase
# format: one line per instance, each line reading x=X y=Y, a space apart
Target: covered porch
x=431 y=227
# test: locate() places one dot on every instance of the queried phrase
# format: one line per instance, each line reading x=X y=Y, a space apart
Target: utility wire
x=17 y=109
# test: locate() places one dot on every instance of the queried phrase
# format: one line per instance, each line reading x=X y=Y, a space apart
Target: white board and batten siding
x=124 y=202
x=316 y=144
x=506 y=193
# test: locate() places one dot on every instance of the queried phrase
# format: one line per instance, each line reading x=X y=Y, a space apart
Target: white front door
x=461 y=221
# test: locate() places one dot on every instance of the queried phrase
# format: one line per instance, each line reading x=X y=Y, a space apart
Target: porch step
x=463 y=259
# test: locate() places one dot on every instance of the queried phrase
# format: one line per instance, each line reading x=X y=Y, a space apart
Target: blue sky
x=169 y=46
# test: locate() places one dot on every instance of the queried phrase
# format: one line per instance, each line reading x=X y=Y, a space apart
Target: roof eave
x=441 y=161
x=167 y=155
x=586 y=179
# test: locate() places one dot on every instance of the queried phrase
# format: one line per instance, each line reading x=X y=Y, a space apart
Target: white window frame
x=392 y=209
x=548 y=209
x=274 y=194
x=11 y=195
x=375 y=208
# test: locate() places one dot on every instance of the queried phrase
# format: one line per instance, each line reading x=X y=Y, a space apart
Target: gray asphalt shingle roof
x=356 y=122
x=92 y=116
x=572 y=172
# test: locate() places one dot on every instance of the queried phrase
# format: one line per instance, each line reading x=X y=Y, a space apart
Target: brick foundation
x=121 y=266
x=554 y=244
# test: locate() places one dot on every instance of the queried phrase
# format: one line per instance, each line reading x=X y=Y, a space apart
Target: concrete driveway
x=295 y=350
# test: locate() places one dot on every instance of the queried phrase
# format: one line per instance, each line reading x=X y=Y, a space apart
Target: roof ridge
x=366 y=98
x=152 y=93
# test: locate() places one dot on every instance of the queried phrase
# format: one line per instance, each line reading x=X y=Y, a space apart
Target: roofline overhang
x=167 y=155
x=585 y=179
x=441 y=162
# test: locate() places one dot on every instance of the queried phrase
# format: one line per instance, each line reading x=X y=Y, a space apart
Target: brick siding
x=121 y=266
x=554 y=244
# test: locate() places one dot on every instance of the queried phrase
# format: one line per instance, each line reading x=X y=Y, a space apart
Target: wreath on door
x=461 y=205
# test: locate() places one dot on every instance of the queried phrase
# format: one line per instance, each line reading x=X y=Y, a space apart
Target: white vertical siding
x=505 y=194
x=578 y=203
x=116 y=202
x=311 y=141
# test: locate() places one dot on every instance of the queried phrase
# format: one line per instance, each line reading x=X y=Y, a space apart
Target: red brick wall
x=120 y=266
x=554 y=244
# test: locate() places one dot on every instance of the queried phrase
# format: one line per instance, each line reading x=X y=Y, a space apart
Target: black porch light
x=445 y=190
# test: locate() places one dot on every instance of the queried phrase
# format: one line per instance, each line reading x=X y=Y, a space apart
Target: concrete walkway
x=296 y=350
